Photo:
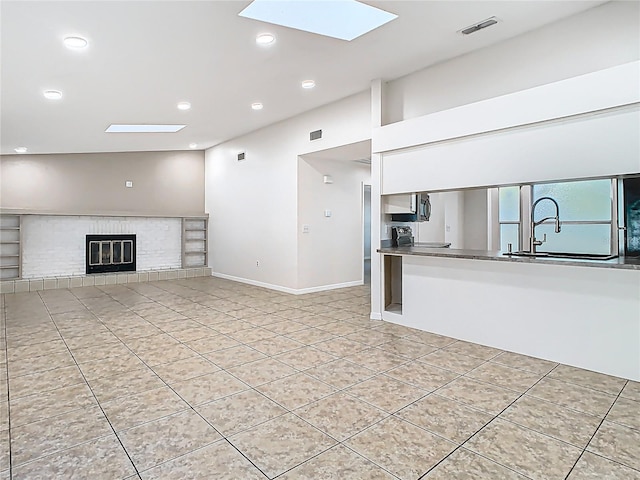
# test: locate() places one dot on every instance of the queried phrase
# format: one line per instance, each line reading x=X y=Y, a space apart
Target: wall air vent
x=364 y=161
x=241 y=156
x=479 y=26
x=315 y=135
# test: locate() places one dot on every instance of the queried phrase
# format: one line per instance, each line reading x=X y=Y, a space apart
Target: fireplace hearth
x=111 y=253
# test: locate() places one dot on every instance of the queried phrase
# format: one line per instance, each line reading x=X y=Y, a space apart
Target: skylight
x=343 y=19
x=118 y=128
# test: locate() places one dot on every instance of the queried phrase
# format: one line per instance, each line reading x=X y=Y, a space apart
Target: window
x=586 y=216
x=509 y=215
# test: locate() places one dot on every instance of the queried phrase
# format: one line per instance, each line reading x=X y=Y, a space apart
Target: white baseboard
x=280 y=288
x=334 y=286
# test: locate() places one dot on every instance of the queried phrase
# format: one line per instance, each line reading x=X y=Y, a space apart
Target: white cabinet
x=400 y=203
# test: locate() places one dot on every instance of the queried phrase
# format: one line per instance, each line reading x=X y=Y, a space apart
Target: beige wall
x=164 y=183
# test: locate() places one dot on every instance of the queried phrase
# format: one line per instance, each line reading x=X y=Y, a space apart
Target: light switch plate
x=327 y=213
x=128 y=184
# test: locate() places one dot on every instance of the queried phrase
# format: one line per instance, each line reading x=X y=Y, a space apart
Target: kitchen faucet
x=533 y=243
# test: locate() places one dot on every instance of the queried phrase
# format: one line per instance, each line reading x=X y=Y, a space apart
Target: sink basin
x=574 y=256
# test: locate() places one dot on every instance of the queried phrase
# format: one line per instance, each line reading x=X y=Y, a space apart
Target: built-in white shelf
x=194 y=242
x=10 y=247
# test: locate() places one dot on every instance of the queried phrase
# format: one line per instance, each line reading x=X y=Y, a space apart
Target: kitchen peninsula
x=560 y=310
x=584 y=313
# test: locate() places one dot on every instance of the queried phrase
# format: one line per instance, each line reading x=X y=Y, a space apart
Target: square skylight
x=120 y=128
x=343 y=19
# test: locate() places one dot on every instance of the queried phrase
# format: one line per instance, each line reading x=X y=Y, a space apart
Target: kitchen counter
x=632 y=263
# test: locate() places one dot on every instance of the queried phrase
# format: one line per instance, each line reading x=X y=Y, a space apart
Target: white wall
x=454 y=218
x=457 y=217
x=476 y=221
x=594 y=145
x=582 y=316
x=434 y=229
x=330 y=253
x=593 y=40
x=253 y=203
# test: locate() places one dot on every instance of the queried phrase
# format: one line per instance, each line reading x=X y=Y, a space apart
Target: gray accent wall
x=164 y=183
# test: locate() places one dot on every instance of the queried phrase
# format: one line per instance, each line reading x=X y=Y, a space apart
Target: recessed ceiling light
x=184 y=106
x=265 y=39
x=193 y=145
x=21 y=150
x=75 y=42
x=133 y=128
x=257 y=106
x=52 y=94
x=308 y=84
x=343 y=19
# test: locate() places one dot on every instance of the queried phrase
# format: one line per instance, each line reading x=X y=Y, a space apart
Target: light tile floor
x=206 y=378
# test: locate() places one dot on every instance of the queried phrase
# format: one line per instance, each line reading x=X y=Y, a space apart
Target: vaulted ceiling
x=146 y=56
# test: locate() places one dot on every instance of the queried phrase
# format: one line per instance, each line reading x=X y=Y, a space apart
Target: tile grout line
x=489 y=423
x=377 y=373
x=459 y=375
x=289 y=306
x=88 y=385
x=343 y=390
x=527 y=428
x=284 y=319
x=303 y=345
x=192 y=408
x=367 y=346
x=6 y=351
x=596 y=431
x=287 y=410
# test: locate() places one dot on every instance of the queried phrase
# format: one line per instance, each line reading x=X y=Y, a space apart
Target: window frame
x=526 y=204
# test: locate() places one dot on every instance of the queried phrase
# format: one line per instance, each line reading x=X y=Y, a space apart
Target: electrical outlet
x=128 y=184
x=257 y=263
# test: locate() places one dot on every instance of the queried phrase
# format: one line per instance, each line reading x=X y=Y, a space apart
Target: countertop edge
x=617 y=263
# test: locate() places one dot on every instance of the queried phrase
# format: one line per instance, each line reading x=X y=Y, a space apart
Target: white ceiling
x=145 y=56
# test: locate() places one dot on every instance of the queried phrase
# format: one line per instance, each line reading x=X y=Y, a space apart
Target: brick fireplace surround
x=53 y=251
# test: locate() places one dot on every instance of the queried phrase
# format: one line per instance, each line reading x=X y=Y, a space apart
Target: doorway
x=331 y=199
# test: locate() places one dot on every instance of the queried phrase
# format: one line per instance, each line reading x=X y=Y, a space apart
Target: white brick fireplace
x=52 y=249
x=54 y=246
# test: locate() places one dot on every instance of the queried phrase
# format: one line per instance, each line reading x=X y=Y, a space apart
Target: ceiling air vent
x=241 y=156
x=315 y=135
x=479 y=26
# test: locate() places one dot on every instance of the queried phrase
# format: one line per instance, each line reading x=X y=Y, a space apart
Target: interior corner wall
x=476 y=220
x=164 y=183
x=252 y=204
x=599 y=38
x=331 y=252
